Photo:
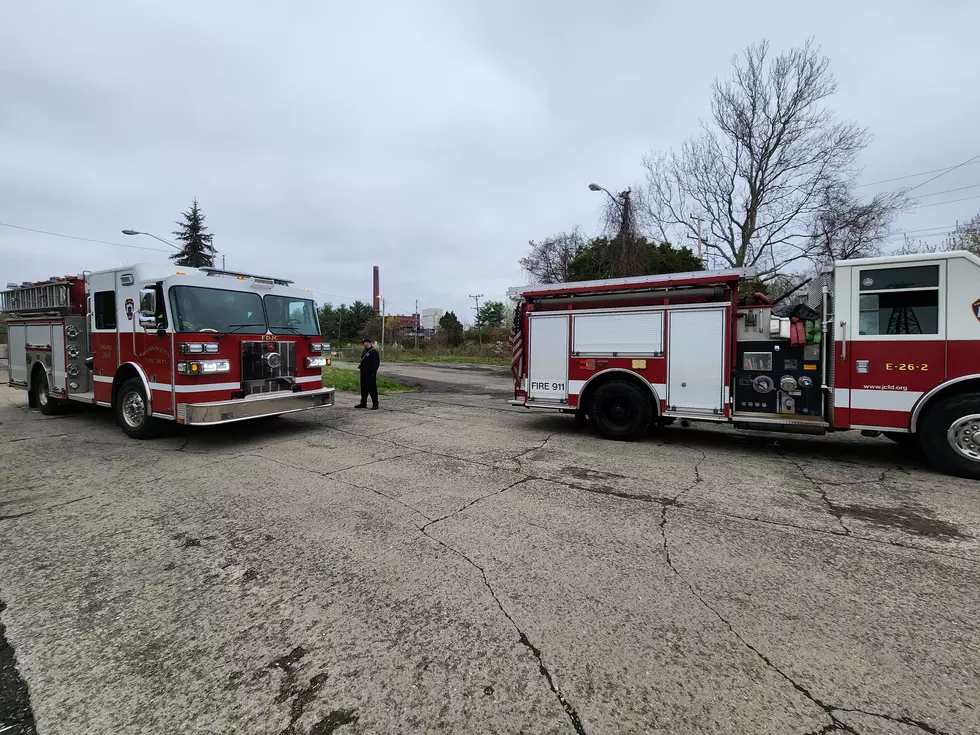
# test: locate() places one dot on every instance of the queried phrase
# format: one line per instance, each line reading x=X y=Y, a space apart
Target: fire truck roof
x=634 y=283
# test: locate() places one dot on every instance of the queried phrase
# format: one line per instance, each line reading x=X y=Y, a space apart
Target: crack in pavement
x=829 y=709
x=522 y=636
x=474 y=502
x=835 y=511
x=517 y=457
x=681 y=506
x=46 y=507
x=424 y=530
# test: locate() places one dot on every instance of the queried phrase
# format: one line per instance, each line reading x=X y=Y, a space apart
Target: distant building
x=430 y=319
x=401 y=323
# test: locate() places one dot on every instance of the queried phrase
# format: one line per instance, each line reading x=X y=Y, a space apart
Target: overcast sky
x=433 y=138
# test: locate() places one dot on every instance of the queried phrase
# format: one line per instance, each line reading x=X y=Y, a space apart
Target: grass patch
x=350 y=380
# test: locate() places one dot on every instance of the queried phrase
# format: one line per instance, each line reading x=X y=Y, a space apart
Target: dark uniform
x=370 y=362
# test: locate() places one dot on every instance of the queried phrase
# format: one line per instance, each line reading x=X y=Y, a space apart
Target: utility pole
x=417 y=324
x=476 y=308
x=382 y=325
x=340 y=324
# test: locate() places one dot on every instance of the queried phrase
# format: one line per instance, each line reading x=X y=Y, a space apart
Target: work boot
x=374 y=407
x=361 y=405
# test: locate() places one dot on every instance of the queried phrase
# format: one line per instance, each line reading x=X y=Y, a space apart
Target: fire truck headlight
x=194 y=348
x=203 y=367
x=315 y=362
x=211 y=348
x=215 y=366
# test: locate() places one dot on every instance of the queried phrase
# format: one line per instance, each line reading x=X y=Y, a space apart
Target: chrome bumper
x=223 y=412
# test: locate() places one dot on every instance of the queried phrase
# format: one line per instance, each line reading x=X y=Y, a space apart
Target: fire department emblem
x=868 y=282
x=976 y=309
x=130 y=308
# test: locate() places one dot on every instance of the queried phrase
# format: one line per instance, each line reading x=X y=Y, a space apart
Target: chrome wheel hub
x=964 y=437
x=133 y=409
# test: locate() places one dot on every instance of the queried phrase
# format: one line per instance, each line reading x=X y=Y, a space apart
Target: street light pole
x=150 y=234
x=167 y=242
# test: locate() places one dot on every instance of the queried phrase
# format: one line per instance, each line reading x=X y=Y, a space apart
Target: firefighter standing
x=370 y=362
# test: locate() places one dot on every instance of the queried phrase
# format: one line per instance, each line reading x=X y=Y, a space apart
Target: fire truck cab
x=884 y=345
x=159 y=343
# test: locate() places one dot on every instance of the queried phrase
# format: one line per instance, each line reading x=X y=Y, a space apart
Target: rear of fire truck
x=195 y=346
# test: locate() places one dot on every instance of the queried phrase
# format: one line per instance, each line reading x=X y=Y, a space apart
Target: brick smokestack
x=377 y=291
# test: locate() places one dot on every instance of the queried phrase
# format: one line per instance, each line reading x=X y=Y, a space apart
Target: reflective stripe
x=884 y=400
x=575 y=387
x=206 y=387
x=842 y=398
x=310 y=379
x=102 y=378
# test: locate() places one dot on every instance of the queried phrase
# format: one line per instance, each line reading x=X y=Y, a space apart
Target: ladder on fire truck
x=45 y=297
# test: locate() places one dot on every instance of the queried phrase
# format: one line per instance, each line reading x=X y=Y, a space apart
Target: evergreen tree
x=197 y=250
x=492 y=314
x=451 y=328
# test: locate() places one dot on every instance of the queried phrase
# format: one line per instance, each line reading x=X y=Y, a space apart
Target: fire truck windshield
x=291 y=315
x=198 y=309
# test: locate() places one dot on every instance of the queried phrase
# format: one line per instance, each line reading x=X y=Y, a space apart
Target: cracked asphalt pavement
x=451 y=564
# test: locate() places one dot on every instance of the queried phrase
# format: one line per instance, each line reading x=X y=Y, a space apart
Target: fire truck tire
x=950 y=435
x=49 y=406
x=131 y=411
x=620 y=410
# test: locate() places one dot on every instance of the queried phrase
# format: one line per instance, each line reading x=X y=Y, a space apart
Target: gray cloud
x=431 y=138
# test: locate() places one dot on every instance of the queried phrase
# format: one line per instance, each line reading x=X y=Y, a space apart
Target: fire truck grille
x=268 y=366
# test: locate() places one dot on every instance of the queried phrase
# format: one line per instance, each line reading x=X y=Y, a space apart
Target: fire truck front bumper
x=253 y=407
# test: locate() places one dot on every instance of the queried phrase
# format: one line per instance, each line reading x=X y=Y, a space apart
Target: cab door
x=896 y=345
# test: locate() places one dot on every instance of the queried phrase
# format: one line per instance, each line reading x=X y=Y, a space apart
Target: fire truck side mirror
x=148 y=308
x=148 y=302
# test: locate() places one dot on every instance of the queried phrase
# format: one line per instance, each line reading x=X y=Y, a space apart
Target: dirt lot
x=451 y=564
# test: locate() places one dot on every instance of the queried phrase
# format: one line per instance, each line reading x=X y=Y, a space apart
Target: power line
x=950 y=191
x=912 y=176
x=951 y=168
x=948 y=201
x=84 y=239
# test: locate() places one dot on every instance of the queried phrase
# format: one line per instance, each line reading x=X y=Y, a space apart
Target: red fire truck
x=884 y=345
x=155 y=343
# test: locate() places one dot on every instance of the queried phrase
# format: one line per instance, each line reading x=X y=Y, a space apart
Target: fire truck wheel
x=131 y=411
x=620 y=410
x=950 y=435
x=49 y=406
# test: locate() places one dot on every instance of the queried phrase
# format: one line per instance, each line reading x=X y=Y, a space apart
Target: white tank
x=431 y=317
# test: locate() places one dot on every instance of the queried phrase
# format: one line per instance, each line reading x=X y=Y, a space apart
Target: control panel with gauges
x=777 y=378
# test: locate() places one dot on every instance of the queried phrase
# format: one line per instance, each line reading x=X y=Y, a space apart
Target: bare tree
x=966 y=236
x=756 y=174
x=845 y=228
x=549 y=259
x=629 y=251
